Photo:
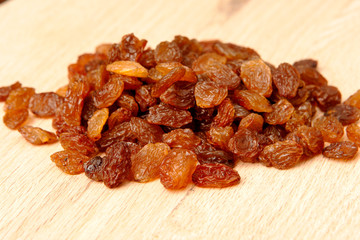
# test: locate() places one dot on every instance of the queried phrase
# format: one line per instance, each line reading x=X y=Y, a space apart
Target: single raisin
x=341 y=150
x=37 y=136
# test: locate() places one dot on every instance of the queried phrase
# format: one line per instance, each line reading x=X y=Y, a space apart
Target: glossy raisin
x=145 y=132
x=167 y=52
x=282 y=112
x=252 y=101
x=346 y=114
x=353 y=133
x=209 y=94
x=69 y=162
x=5 y=91
x=181 y=138
x=180 y=95
x=164 y=114
x=287 y=80
x=215 y=175
x=94 y=168
x=341 y=150
x=244 y=143
x=330 y=127
x=37 y=136
x=253 y=122
x=354 y=100
x=45 y=104
x=169 y=79
x=96 y=123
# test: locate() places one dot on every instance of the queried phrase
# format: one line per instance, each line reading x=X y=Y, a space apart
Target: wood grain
x=319 y=199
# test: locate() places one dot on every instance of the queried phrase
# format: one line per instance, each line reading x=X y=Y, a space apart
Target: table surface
x=318 y=199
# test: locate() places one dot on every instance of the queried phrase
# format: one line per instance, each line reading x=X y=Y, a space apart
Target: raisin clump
x=185 y=111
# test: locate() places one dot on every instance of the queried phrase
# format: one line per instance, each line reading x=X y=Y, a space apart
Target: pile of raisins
x=186 y=111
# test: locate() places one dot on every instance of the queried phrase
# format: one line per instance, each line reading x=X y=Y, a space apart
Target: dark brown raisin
x=341 y=150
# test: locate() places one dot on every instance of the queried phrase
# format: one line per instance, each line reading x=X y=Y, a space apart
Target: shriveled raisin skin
x=225 y=115
x=78 y=143
x=244 y=143
x=5 y=91
x=145 y=165
x=45 y=104
x=145 y=132
x=120 y=115
x=220 y=136
x=223 y=75
x=327 y=97
x=353 y=133
x=181 y=138
x=127 y=101
x=281 y=155
x=310 y=138
x=253 y=122
x=177 y=168
x=169 y=79
x=203 y=63
x=109 y=93
x=94 y=168
x=341 y=150
x=180 y=95
x=283 y=111
x=209 y=94
x=13 y=119
x=19 y=98
x=354 y=100
x=121 y=132
x=287 y=80
x=69 y=162
x=252 y=101
x=331 y=129
x=117 y=164
x=346 y=114
x=96 y=123
x=167 y=115
x=143 y=97
x=167 y=52
x=256 y=76
x=215 y=175
x=37 y=136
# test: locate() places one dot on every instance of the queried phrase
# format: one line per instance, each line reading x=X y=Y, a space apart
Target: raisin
x=215 y=156
x=330 y=128
x=202 y=63
x=145 y=132
x=5 y=91
x=256 y=76
x=327 y=97
x=165 y=68
x=287 y=80
x=341 y=150
x=128 y=68
x=128 y=101
x=69 y=162
x=180 y=95
x=252 y=101
x=103 y=48
x=147 y=59
x=121 y=132
x=169 y=79
x=305 y=63
x=310 y=138
x=283 y=111
x=275 y=133
x=94 y=168
x=19 y=98
x=167 y=52
x=225 y=114
x=223 y=75
x=177 y=168
x=244 y=143
x=181 y=138
x=281 y=155
x=131 y=48
x=353 y=133
x=78 y=143
x=215 y=175
x=220 y=136
x=37 y=136
x=13 y=119
x=109 y=93
x=167 y=115
x=61 y=91
x=45 y=104
x=311 y=76
x=143 y=97
x=209 y=94
x=253 y=122
x=145 y=165
x=117 y=164
x=354 y=100
x=232 y=51
x=96 y=123
x=346 y=114
x=120 y=115
x=130 y=83
x=240 y=112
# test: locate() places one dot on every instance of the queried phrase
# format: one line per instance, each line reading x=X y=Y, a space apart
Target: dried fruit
x=252 y=101
x=354 y=100
x=37 y=136
x=287 y=80
x=215 y=175
x=69 y=162
x=244 y=143
x=13 y=119
x=341 y=150
x=5 y=91
x=128 y=68
x=180 y=95
x=145 y=165
x=327 y=97
x=45 y=104
x=181 y=138
x=225 y=115
x=209 y=94
x=167 y=115
x=282 y=112
x=169 y=79
x=330 y=128
x=96 y=123
x=145 y=132
x=281 y=155
x=253 y=122
x=78 y=143
x=353 y=133
x=220 y=136
x=167 y=52
x=177 y=168
x=256 y=76
x=94 y=168
x=346 y=114
x=310 y=138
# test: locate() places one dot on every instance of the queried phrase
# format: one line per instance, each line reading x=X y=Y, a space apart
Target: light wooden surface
x=318 y=199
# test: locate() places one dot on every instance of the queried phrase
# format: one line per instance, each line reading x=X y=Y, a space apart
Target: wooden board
x=318 y=199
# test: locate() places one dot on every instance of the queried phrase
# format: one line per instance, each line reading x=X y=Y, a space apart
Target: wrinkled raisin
x=341 y=150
